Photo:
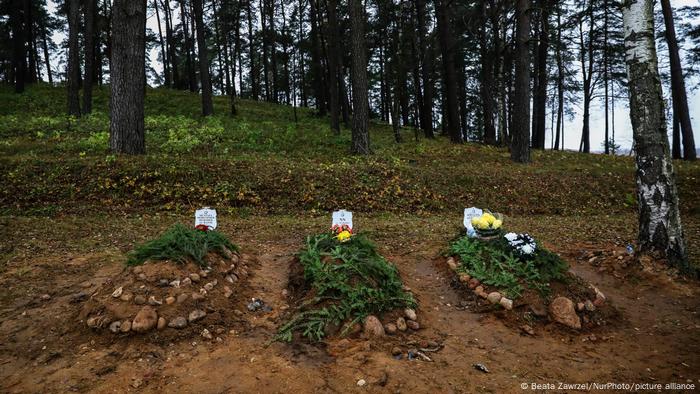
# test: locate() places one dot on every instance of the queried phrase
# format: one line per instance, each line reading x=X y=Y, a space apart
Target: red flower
x=202 y=227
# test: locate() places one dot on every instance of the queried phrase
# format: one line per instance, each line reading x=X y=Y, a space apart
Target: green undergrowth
x=347 y=282
x=180 y=244
x=266 y=160
x=494 y=263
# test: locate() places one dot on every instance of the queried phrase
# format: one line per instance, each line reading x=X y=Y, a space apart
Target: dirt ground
x=45 y=348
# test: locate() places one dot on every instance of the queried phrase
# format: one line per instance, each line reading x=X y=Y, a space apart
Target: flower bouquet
x=522 y=244
x=488 y=224
x=342 y=233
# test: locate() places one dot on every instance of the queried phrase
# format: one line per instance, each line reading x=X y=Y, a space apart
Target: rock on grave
x=506 y=303
x=115 y=326
x=178 y=322
x=563 y=311
x=145 y=319
x=195 y=315
x=452 y=263
x=494 y=297
x=139 y=300
x=206 y=334
x=401 y=324
x=410 y=314
x=161 y=323
x=373 y=327
x=413 y=325
x=125 y=326
x=390 y=328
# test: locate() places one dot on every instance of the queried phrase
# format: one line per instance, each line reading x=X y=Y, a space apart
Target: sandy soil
x=45 y=348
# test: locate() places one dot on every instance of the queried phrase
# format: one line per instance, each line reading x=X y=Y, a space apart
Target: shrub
x=349 y=281
x=180 y=243
x=493 y=263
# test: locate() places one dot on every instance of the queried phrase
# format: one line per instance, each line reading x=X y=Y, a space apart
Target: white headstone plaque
x=205 y=216
x=470 y=213
x=341 y=218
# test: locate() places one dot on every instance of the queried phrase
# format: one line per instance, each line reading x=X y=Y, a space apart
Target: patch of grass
x=180 y=243
x=349 y=281
x=265 y=161
x=494 y=263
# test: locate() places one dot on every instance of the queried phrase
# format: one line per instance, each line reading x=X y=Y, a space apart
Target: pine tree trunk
x=426 y=62
x=659 y=217
x=360 y=103
x=47 y=59
x=606 y=78
x=541 y=92
x=272 y=42
x=333 y=72
x=520 y=145
x=447 y=47
x=317 y=71
x=128 y=77
x=89 y=55
x=191 y=76
x=680 y=99
x=172 y=56
x=19 y=60
x=73 y=58
x=163 y=55
x=676 y=147
x=204 y=76
x=32 y=74
x=253 y=68
x=486 y=88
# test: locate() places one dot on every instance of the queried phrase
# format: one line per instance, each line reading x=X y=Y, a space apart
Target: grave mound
x=181 y=284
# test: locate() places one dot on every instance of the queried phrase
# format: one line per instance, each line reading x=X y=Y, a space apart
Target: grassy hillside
x=262 y=161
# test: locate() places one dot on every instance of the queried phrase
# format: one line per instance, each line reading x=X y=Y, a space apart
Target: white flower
x=527 y=249
x=511 y=236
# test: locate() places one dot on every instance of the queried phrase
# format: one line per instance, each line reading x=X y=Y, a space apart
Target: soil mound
x=172 y=299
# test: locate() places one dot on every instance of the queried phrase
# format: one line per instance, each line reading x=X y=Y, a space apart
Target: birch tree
x=659 y=218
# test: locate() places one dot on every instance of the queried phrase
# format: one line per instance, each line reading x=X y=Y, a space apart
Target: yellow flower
x=483 y=223
x=475 y=221
x=489 y=218
x=343 y=236
x=497 y=223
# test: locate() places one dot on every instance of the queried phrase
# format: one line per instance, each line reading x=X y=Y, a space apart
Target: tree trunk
x=191 y=76
x=333 y=74
x=19 y=59
x=172 y=56
x=541 y=91
x=272 y=43
x=163 y=55
x=520 y=145
x=32 y=73
x=676 y=149
x=47 y=59
x=128 y=77
x=317 y=70
x=486 y=89
x=89 y=55
x=253 y=68
x=426 y=63
x=447 y=47
x=73 y=58
x=659 y=217
x=360 y=104
x=606 y=78
x=207 y=104
x=680 y=99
